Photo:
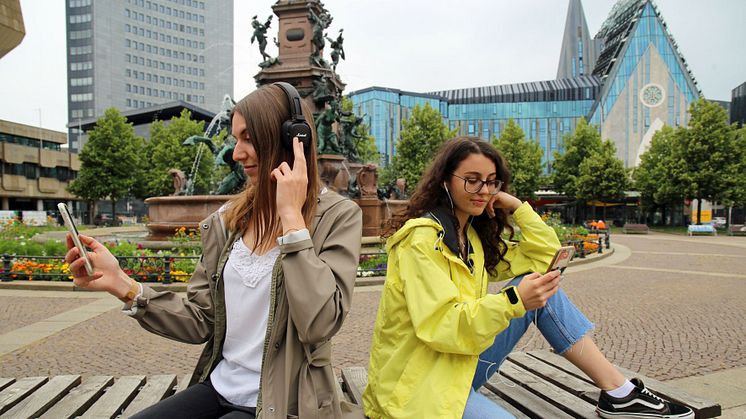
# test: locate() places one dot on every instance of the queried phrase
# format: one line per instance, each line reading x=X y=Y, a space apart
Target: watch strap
x=132 y=293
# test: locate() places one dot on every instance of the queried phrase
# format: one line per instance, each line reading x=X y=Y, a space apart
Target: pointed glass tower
x=579 y=51
x=645 y=82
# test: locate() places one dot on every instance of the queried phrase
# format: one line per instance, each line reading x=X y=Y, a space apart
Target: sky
x=412 y=45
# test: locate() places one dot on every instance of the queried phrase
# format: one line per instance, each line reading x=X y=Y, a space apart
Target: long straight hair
x=264 y=110
x=429 y=194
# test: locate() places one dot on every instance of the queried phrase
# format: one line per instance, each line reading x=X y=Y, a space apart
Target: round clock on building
x=651 y=95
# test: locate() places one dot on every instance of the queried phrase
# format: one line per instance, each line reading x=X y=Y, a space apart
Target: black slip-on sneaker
x=640 y=403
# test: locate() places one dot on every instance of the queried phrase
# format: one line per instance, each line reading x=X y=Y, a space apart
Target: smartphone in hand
x=70 y=224
x=561 y=259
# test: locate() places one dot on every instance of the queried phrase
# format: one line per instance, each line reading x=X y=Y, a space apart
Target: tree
x=420 y=137
x=524 y=159
x=165 y=151
x=585 y=141
x=707 y=155
x=654 y=176
x=602 y=176
x=111 y=162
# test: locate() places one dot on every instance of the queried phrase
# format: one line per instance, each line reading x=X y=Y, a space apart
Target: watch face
x=651 y=95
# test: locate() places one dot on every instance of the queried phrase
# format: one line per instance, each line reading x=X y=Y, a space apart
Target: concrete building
x=629 y=80
x=134 y=54
x=36 y=168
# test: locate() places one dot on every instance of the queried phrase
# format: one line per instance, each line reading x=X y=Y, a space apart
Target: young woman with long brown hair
x=439 y=335
x=272 y=287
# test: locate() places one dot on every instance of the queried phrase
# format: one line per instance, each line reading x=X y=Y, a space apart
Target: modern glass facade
x=546 y=111
x=384 y=109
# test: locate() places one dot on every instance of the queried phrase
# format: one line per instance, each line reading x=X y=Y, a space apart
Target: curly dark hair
x=429 y=195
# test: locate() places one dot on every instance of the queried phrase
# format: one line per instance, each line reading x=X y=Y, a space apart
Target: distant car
x=718 y=222
x=103 y=220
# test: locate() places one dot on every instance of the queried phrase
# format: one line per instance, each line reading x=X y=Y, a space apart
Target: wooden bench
x=635 y=228
x=736 y=229
x=701 y=229
x=540 y=384
x=67 y=396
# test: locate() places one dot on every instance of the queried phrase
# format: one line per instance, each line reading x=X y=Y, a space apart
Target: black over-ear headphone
x=296 y=126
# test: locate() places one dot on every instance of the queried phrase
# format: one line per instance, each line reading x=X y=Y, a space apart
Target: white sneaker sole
x=613 y=415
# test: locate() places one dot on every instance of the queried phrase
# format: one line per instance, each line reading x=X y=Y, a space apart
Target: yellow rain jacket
x=435 y=316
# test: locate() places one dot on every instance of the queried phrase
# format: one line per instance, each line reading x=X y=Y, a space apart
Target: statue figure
x=337 y=49
x=321 y=91
x=367 y=180
x=320 y=23
x=327 y=138
x=400 y=190
x=235 y=180
x=260 y=34
x=179 y=181
x=349 y=123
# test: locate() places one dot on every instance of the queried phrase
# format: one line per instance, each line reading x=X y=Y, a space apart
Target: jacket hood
x=440 y=219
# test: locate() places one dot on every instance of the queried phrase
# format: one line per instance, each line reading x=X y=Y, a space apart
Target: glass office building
x=638 y=83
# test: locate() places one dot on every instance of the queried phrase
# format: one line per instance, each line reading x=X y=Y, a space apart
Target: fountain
x=167 y=214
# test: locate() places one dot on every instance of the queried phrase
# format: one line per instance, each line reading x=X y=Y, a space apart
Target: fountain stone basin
x=167 y=214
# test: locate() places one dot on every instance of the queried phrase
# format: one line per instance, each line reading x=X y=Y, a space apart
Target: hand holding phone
x=561 y=259
x=70 y=224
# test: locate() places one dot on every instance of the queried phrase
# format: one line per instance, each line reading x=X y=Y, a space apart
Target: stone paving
x=666 y=306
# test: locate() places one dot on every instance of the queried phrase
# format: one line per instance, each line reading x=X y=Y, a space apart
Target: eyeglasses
x=474 y=185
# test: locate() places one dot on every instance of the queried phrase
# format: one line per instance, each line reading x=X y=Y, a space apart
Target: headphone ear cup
x=292 y=129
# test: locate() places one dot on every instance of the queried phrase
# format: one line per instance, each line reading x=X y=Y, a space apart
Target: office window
x=82 y=81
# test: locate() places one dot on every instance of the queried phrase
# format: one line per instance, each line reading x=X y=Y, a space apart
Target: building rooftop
x=162 y=112
x=537 y=91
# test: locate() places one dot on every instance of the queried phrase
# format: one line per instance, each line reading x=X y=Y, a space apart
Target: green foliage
x=709 y=155
x=111 y=162
x=165 y=151
x=585 y=141
x=524 y=158
x=420 y=137
x=26 y=247
x=602 y=175
x=654 y=176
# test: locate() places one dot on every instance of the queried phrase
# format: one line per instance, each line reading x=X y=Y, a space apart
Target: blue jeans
x=561 y=323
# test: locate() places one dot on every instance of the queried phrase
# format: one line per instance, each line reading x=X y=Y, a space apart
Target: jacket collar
x=445 y=218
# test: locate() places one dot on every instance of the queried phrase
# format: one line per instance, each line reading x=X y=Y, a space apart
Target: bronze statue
x=321 y=91
x=349 y=123
x=327 y=138
x=320 y=23
x=260 y=34
x=337 y=49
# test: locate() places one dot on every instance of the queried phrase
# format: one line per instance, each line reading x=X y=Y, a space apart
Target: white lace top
x=247 y=278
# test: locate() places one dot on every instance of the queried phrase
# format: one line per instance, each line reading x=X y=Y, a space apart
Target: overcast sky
x=413 y=45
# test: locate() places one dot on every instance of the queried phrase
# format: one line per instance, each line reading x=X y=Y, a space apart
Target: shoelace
x=649 y=393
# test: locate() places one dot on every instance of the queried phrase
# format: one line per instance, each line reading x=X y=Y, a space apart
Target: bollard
x=600 y=245
x=6 y=269
x=166 y=271
x=582 y=249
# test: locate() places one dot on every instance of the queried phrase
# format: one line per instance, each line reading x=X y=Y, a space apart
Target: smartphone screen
x=70 y=224
x=561 y=258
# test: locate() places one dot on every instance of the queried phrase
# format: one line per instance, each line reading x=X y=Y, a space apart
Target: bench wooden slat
x=5 y=382
x=15 y=392
x=502 y=403
x=523 y=399
x=116 y=397
x=157 y=388
x=568 y=402
x=182 y=382
x=47 y=395
x=701 y=406
x=355 y=378
x=79 y=398
x=558 y=377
